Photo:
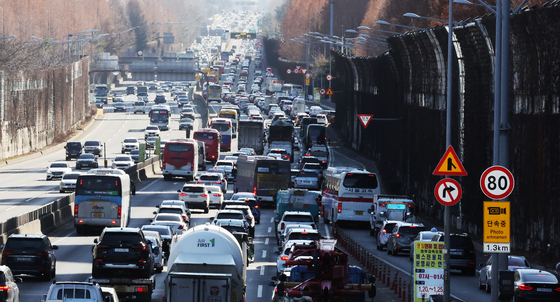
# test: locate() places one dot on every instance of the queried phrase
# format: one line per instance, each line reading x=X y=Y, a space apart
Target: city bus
x=262 y=176
x=231 y=114
x=348 y=194
x=214 y=93
x=212 y=139
x=102 y=199
x=159 y=116
x=180 y=159
x=224 y=126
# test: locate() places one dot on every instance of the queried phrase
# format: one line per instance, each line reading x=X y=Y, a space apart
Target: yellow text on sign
x=496 y=222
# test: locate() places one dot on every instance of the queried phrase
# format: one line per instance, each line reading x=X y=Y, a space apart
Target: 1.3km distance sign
x=497 y=182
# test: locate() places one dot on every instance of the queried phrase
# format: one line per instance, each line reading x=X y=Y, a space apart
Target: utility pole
x=330 y=55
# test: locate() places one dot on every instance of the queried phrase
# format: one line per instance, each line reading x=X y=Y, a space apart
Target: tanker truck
x=206 y=264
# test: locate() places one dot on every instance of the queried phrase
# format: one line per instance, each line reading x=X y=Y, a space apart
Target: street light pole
x=330 y=52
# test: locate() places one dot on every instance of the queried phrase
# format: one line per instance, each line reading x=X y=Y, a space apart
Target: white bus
x=348 y=194
x=225 y=127
x=102 y=199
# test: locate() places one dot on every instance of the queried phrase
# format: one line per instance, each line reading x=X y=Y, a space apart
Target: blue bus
x=102 y=199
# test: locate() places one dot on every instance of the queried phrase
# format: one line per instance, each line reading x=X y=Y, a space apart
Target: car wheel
x=206 y=210
x=371 y=232
x=395 y=252
x=47 y=275
x=61 y=191
x=166 y=177
x=48 y=179
x=480 y=285
x=388 y=250
x=487 y=286
x=379 y=248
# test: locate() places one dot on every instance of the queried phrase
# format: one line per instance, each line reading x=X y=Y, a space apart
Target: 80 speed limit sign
x=497 y=182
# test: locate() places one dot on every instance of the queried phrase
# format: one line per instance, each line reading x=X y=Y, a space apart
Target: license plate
x=194 y=196
x=121 y=250
x=97 y=215
x=120 y=288
x=359 y=212
x=455 y=253
x=24 y=259
x=546 y=290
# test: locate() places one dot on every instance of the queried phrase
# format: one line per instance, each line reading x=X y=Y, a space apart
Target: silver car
x=68 y=182
x=174 y=221
x=514 y=263
x=384 y=232
x=157 y=249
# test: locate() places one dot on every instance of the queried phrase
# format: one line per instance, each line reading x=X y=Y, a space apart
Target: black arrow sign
x=448 y=189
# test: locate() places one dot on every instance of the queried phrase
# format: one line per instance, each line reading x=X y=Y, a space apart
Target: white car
x=174 y=202
x=213 y=179
x=129 y=144
x=151 y=131
x=157 y=248
x=321 y=119
x=216 y=196
x=273 y=110
x=314 y=110
x=174 y=221
x=68 y=181
x=123 y=162
x=295 y=217
x=225 y=167
x=195 y=197
x=57 y=170
x=231 y=158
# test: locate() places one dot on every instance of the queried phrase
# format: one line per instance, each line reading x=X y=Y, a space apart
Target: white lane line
x=270 y=229
x=259 y=291
x=265 y=242
x=271 y=219
x=262 y=270
x=264 y=254
x=350 y=159
x=16 y=206
x=29 y=199
x=153 y=182
x=327 y=232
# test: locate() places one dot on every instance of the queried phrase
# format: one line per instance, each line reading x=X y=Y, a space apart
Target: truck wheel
x=47 y=275
x=206 y=210
x=95 y=272
x=147 y=297
x=166 y=177
x=371 y=232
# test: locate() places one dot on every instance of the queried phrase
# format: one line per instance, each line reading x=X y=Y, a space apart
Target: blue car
x=255 y=209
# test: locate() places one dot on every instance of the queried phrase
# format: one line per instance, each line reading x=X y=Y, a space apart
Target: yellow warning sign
x=329 y=92
x=306 y=81
x=450 y=164
x=496 y=222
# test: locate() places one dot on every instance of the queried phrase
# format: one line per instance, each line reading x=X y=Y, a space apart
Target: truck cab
x=397 y=208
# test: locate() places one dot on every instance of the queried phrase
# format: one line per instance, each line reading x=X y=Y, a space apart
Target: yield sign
x=329 y=92
x=304 y=70
x=450 y=164
x=289 y=71
x=365 y=119
x=322 y=91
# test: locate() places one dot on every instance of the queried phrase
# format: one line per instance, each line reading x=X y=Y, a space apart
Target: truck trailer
x=251 y=135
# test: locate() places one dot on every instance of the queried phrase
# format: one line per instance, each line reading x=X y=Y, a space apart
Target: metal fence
x=405 y=91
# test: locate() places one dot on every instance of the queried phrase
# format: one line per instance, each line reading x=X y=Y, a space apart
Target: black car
x=160 y=99
x=186 y=123
x=462 y=253
x=87 y=160
x=73 y=150
x=130 y=90
x=31 y=255
x=119 y=107
x=122 y=252
x=535 y=285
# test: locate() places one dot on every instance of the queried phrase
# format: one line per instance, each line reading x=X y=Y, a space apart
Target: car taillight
x=7 y=252
x=76 y=211
x=323 y=162
x=339 y=207
x=307 y=154
x=218 y=182
x=524 y=286
x=282 y=226
x=398 y=235
x=182 y=194
x=213 y=156
x=384 y=231
x=5 y=288
x=184 y=217
x=180 y=227
x=284 y=258
x=218 y=194
x=256 y=207
x=558 y=289
x=204 y=195
x=255 y=190
x=119 y=212
x=200 y=181
x=141 y=289
x=164 y=165
x=42 y=253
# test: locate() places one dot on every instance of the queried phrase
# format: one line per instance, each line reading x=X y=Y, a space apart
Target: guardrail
x=59 y=212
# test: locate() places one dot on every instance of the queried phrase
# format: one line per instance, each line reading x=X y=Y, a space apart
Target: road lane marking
x=29 y=199
x=350 y=159
x=259 y=291
x=264 y=254
x=265 y=242
x=16 y=206
x=327 y=232
x=271 y=219
x=262 y=270
x=270 y=229
x=147 y=186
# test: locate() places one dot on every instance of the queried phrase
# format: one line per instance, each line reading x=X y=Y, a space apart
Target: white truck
x=251 y=135
x=206 y=264
x=390 y=207
x=74 y=291
x=298 y=107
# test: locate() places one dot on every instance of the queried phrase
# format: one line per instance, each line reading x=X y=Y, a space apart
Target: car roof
x=33 y=236
x=230 y=211
x=301 y=230
x=297 y=213
x=120 y=230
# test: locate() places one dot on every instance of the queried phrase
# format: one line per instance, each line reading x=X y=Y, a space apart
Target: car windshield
x=304 y=236
x=122 y=158
x=87 y=156
x=74 y=145
x=210 y=177
x=234 y=229
x=220 y=127
x=151 y=128
x=71 y=176
x=91 y=143
x=307 y=174
x=298 y=218
x=515 y=261
x=161 y=231
x=410 y=231
x=171 y=211
x=223 y=163
x=193 y=189
x=134 y=152
x=24 y=243
x=59 y=165
x=538 y=277
x=167 y=217
x=130 y=140
x=121 y=238
x=389 y=227
x=229 y=216
x=186 y=120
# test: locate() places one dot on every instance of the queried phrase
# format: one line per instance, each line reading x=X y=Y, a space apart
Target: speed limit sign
x=497 y=182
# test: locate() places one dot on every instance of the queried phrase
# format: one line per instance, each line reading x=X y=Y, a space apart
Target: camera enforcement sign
x=496 y=227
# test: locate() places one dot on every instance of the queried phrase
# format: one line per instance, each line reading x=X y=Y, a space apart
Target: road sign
x=450 y=164
x=497 y=182
x=206 y=70
x=307 y=75
x=428 y=269
x=306 y=81
x=496 y=232
x=304 y=70
x=329 y=92
x=329 y=77
x=448 y=192
x=289 y=71
x=296 y=70
x=322 y=91
x=365 y=119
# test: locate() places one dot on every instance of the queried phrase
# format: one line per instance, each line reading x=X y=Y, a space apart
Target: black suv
x=401 y=237
x=73 y=150
x=122 y=252
x=462 y=253
x=30 y=254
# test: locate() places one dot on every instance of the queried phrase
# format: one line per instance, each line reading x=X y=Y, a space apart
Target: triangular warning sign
x=329 y=92
x=450 y=164
x=365 y=119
